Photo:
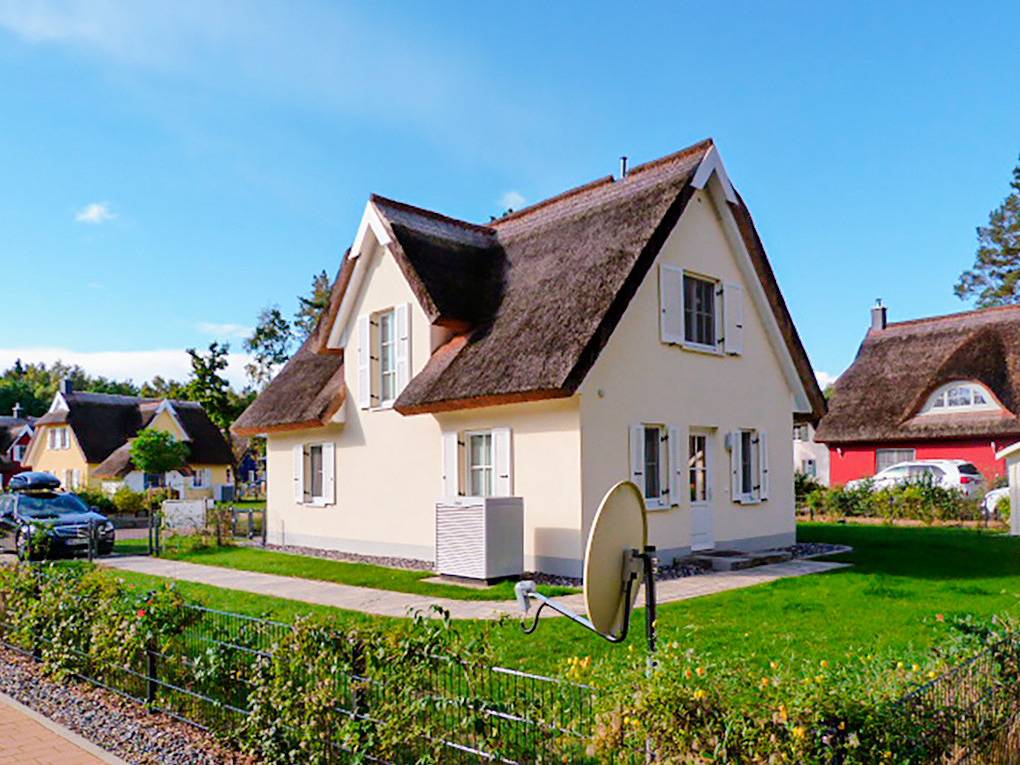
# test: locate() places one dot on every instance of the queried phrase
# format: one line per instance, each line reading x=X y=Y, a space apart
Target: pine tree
x=269 y=345
x=312 y=307
x=995 y=276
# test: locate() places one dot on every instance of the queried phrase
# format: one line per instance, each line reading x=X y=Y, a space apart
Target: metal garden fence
x=536 y=718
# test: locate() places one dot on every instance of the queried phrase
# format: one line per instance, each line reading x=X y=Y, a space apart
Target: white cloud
x=95 y=213
x=224 y=330
x=824 y=378
x=512 y=200
x=137 y=366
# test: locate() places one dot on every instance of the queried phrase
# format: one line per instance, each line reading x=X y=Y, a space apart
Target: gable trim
x=166 y=406
x=712 y=165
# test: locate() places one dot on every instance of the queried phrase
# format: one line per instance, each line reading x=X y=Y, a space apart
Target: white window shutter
x=364 y=362
x=735 y=494
x=328 y=473
x=733 y=318
x=299 y=473
x=675 y=465
x=53 y=438
x=451 y=464
x=763 y=467
x=402 y=314
x=637 y=456
x=502 y=459
x=671 y=311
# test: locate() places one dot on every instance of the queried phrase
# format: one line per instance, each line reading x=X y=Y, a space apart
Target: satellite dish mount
x=617 y=560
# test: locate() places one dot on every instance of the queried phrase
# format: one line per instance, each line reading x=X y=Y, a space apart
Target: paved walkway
x=28 y=738
x=387 y=603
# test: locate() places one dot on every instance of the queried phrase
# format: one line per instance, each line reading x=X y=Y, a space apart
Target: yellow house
x=85 y=440
x=631 y=328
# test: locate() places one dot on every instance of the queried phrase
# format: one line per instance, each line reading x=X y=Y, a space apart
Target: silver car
x=949 y=474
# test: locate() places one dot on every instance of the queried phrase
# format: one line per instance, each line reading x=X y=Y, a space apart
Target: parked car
x=990 y=504
x=38 y=520
x=949 y=474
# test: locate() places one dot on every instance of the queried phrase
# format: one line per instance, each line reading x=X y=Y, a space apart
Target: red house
x=946 y=387
x=15 y=433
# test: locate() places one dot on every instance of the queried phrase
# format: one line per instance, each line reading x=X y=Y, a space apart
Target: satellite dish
x=616 y=559
x=620 y=526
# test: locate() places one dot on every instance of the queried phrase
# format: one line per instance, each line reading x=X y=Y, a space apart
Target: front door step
x=735 y=560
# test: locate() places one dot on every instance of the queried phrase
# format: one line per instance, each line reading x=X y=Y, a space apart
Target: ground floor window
x=697 y=466
x=809 y=467
x=313 y=472
x=153 y=480
x=885 y=458
x=748 y=466
x=480 y=464
x=656 y=463
x=653 y=440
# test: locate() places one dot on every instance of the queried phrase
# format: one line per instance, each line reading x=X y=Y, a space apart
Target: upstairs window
x=699 y=311
x=384 y=356
x=960 y=397
x=19 y=453
x=60 y=438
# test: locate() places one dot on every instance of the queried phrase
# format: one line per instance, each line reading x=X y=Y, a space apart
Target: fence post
x=151 y=668
x=233 y=522
x=217 y=518
x=358 y=667
x=92 y=540
x=265 y=523
x=251 y=522
x=157 y=520
x=149 y=548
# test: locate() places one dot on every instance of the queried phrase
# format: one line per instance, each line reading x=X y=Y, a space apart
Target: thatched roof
x=103 y=423
x=898 y=368
x=533 y=296
x=306 y=393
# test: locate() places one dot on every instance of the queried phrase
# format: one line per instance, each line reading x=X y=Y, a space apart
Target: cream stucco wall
x=637 y=379
x=59 y=461
x=163 y=421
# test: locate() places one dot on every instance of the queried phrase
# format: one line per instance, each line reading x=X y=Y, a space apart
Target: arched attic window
x=961 y=396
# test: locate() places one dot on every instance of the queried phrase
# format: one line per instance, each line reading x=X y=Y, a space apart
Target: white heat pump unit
x=480 y=537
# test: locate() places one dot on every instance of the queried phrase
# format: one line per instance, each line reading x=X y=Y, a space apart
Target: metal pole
x=251 y=522
x=92 y=540
x=651 y=614
x=149 y=548
x=156 y=520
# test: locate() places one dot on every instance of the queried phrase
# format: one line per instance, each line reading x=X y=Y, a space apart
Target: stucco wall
x=546 y=468
x=58 y=461
x=637 y=379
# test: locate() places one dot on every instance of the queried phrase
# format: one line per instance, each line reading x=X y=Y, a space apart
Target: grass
x=342 y=572
x=886 y=603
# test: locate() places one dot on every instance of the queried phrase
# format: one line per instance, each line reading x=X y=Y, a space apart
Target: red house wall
x=8 y=473
x=859 y=460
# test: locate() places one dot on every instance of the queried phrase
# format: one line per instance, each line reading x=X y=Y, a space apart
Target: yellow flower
x=701 y=671
x=842 y=726
x=915 y=668
x=799 y=732
x=700 y=694
x=782 y=713
x=933 y=674
x=900 y=665
x=819 y=678
x=774 y=664
x=764 y=682
x=824 y=664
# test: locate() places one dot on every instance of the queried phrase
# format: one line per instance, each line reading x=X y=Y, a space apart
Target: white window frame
x=198 y=479
x=938 y=402
x=705 y=469
x=755 y=459
x=715 y=346
x=900 y=454
x=668 y=462
x=18 y=453
x=471 y=469
x=302 y=474
x=381 y=349
x=456 y=479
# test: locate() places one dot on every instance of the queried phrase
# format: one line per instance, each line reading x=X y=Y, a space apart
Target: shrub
x=98 y=500
x=128 y=501
x=922 y=500
x=803 y=485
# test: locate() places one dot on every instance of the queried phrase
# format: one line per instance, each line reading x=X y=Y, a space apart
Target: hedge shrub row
x=919 y=501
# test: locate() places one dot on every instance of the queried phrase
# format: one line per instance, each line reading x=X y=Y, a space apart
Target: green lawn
x=357 y=574
x=886 y=603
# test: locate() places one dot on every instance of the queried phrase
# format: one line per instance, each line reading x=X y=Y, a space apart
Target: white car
x=990 y=504
x=949 y=474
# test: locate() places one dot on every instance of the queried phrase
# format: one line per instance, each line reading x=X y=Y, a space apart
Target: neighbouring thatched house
x=946 y=387
x=629 y=328
x=85 y=440
x=15 y=435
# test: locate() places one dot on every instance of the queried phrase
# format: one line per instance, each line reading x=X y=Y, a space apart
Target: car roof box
x=34 y=481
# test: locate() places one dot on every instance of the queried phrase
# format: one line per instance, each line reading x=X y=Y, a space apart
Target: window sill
x=658 y=506
x=708 y=350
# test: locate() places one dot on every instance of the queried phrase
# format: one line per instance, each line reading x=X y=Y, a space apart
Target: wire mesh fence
x=512 y=716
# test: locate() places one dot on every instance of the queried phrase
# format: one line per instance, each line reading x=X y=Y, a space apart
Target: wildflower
x=701 y=671
x=824 y=664
x=915 y=668
x=764 y=682
x=799 y=732
x=842 y=725
x=933 y=674
x=819 y=678
x=141 y=613
x=688 y=674
x=782 y=713
x=940 y=617
x=700 y=694
x=899 y=665
x=852 y=741
x=774 y=664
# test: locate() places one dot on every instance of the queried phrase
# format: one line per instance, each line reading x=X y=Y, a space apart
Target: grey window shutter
x=733 y=318
x=671 y=312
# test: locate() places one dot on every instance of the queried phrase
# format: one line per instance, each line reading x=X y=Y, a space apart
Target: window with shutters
x=655 y=463
x=699 y=311
x=387 y=354
x=697 y=466
x=480 y=466
x=653 y=442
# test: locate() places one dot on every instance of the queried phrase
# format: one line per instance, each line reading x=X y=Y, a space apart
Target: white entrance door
x=699 y=468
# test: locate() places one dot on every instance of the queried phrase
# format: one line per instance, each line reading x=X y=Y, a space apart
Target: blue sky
x=168 y=169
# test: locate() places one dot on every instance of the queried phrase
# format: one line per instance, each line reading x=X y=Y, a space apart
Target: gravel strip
x=816 y=549
x=376 y=560
x=111 y=722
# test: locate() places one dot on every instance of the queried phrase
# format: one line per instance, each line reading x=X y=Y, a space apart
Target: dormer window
x=961 y=397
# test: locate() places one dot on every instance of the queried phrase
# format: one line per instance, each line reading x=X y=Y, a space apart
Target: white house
x=628 y=328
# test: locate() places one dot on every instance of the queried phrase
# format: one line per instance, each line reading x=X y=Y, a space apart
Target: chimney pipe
x=879 y=318
x=17 y=410
x=623 y=167
x=66 y=386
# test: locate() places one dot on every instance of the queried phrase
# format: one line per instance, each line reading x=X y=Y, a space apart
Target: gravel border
x=110 y=721
x=410 y=564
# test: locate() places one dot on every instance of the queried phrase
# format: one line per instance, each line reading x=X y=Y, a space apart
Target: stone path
x=27 y=738
x=387 y=603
